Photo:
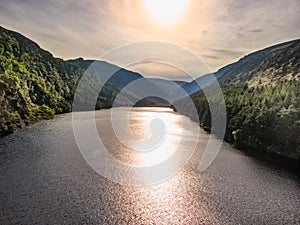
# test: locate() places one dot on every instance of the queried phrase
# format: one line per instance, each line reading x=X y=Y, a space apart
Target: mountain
x=34 y=85
x=204 y=80
x=119 y=78
x=261 y=92
x=260 y=67
x=279 y=62
x=262 y=97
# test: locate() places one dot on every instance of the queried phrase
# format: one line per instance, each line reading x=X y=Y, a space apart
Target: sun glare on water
x=165 y=11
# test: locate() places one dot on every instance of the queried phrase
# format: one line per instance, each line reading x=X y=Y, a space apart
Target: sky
x=219 y=32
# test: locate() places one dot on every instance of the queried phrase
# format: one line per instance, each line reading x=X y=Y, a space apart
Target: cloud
x=233 y=52
x=218 y=31
x=256 y=30
x=161 y=70
x=211 y=56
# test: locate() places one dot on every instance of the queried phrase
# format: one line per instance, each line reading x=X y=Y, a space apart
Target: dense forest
x=34 y=85
x=265 y=118
x=262 y=96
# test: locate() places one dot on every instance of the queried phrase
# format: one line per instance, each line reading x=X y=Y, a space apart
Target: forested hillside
x=34 y=85
x=262 y=96
x=263 y=118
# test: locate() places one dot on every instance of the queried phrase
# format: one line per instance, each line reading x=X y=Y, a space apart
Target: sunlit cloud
x=165 y=11
x=219 y=32
x=161 y=70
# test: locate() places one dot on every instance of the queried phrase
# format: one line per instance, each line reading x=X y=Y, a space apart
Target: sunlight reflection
x=159 y=133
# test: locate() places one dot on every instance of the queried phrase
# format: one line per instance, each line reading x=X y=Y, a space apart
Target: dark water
x=45 y=180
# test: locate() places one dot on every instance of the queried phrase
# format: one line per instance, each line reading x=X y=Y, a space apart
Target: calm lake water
x=45 y=180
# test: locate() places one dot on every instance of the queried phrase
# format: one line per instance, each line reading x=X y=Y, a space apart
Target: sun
x=165 y=11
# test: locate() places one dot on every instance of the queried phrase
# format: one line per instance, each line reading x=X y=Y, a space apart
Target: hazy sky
x=218 y=31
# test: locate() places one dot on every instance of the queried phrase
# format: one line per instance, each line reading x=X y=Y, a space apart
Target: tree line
x=264 y=118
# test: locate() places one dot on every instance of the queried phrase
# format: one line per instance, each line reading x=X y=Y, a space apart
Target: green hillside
x=34 y=85
x=262 y=95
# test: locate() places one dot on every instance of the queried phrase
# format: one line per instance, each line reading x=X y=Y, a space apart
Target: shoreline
x=271 y=159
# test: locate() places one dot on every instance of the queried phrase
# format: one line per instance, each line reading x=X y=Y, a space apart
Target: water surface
x=45 y=180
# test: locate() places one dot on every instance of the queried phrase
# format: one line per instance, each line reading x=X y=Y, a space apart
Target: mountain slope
x=34 y=85
x=262 y=96
x=279 y=62
x=204 y=80
x=124 y=87
x=260 y=67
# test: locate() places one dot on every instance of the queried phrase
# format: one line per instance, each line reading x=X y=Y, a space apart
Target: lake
x=44 y=178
